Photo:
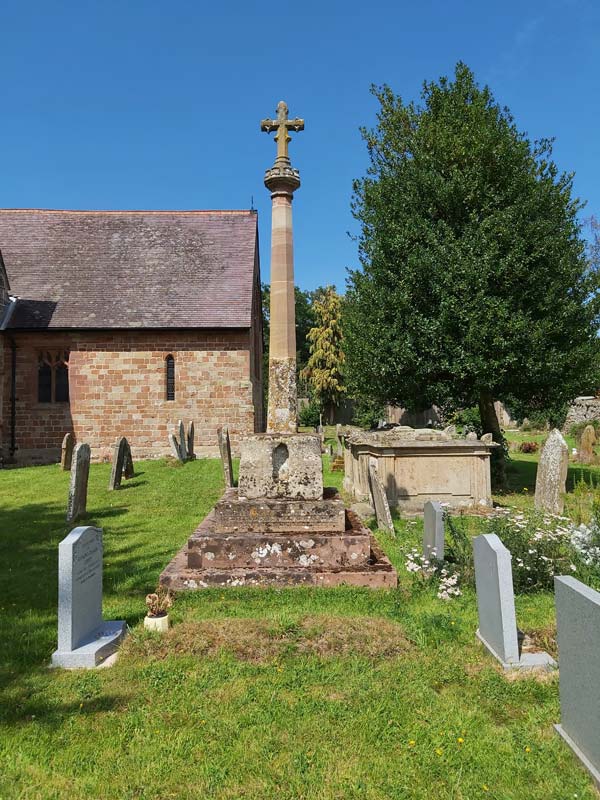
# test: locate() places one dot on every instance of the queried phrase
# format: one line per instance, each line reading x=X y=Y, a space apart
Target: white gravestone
x=433 y=531
x=578 y=633
x=496 y=605
x=84 y=639
x=80 y=471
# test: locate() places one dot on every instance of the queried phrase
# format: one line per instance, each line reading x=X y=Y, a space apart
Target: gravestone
x=433 y=531
x=380 y=501
x=585 y=453
x=487 y=438
x=118 y=463
x=339 y=446
x=66 y=454
x=551 y=478
x=496 y=605
x=84 y=639
x=182 y=446
x=190 y=440
x=225 y=450
x=128 y=469
x=175 y=449
x=578 y=625
x=80 y=471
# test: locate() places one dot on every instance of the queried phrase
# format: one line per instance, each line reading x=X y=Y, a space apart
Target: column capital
x=282 y=180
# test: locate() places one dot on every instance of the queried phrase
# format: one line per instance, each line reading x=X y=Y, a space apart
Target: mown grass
x=298 y=693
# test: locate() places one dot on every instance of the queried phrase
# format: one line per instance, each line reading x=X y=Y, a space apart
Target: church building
x=120 y=323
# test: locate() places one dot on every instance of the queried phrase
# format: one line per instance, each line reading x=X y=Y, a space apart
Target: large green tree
x=475 y=284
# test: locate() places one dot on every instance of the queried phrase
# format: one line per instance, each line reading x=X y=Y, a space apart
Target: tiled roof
x=129 y=269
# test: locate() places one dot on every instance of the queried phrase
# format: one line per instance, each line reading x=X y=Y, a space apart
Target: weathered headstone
x=84 y=639
x=578 y=624
x=339 y=443
x=551 y=479
x=182 y=446
x=128 y=469
x=66 y=454
x=175 y=449
x=190 y=440
x=496 y=605
x=585 y=453
x=380 y=501
x=225 y=450
x=487 y=438
x=80 y=470
x=433 y=531
x=118 y=463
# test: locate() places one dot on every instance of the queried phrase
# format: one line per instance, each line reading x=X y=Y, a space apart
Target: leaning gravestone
x=175 y=449
x=433 y=531
x=380 y=501
x=585 y=453
x=339 y=444
x=80 y=471
x=182 y=446
x=118 y=463
x=551 y=479
x=190 y=440
x=496 y=605
x=84 y=640
x=128 y=469
x=225 y=450
x=66 y=454
x=578 y=626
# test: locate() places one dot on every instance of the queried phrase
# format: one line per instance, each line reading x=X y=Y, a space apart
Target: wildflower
x=528 y=749
x=80 y=705
x=460 y=740
x=573 y=568
x=439 y=751
x=485 y=788
x=525 y=489
x=411 y=742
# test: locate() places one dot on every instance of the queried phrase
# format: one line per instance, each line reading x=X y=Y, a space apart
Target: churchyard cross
x=282 y=125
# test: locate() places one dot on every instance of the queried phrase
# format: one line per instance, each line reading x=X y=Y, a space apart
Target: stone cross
x=80 y=470
x=433 y=531
x=380 y=501
x=84 y=639
x=225 y=450
x=66 y=456
x=578 y=623
x=551 y=478
x=283 y=125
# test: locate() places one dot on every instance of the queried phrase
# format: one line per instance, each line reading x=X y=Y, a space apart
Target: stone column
x=282 y=181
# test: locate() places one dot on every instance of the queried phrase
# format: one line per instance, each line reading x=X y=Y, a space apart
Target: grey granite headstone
x=118 y=463
x=190 y=440
x=128 y=469
x=84 y=639
x=175 y=449
x=433 y=531
x=551 y=478
x=66 y=454
x=182 y=446
x=578 y=634
x=80 y=470
x=380 y=501
x=496 y=605
x=225 y=450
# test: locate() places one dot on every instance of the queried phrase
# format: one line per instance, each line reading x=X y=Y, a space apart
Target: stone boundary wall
x=582 y=409
x=117 y=388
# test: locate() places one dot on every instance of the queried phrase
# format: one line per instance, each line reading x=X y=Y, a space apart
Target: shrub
x=577 y=429
x=309 y=415
x=467 y=420
x=528 y=447
x=367 y=412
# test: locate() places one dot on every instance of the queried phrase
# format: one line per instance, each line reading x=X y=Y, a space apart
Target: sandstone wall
x=117 y=384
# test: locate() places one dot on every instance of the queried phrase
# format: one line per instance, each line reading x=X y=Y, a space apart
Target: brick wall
x=117 y=388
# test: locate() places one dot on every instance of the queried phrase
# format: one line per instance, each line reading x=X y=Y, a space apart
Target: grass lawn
x=257 y=693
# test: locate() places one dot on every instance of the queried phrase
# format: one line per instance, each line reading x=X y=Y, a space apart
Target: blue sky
x=147 y=104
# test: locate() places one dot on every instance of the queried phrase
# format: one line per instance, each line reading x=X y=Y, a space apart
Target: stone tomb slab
x=84 y=639
x=281 y=466
x=578 y=629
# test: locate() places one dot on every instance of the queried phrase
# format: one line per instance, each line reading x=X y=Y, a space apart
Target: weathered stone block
x=281 y=465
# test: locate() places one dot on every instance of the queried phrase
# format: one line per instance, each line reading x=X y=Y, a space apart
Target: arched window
x=44 y=381
x=53 y=377
x=170 y=377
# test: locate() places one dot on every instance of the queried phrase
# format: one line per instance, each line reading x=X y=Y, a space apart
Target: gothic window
x=53 y=377
x=170 y=376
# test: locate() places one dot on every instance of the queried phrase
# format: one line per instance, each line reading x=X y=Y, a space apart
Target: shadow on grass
x=23 y=708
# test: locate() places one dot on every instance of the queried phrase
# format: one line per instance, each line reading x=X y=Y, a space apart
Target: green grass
x=299 y=693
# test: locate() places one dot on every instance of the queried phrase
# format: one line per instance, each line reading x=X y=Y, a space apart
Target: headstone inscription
x=380 y=501
x=80 y=470
x=225 y=450
x=585 y=453
x=190 y=440
x=433 y=531
x=84 y=639
x=578 y=624
x=496 y=606
x=118 y=463
x=66 y=454
x=551 y=478
x=182 y=446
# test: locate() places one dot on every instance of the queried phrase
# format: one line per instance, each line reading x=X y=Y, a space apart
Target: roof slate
x=130 y=269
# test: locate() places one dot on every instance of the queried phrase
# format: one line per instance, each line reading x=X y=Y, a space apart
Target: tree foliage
x=475 y=284
x=325 y=365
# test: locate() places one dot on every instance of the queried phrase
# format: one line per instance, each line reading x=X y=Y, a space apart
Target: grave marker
x=84 y=639
x=118 y=463
x=585 y=453
x=182 y=446
x=433 y=531
x=190 y=440
x=175 y=449
x=380 y=501
x=225 y=450
x=551 y=478
x=80 y=470
x=66 y=454
x=578 y=624
x=128 y=469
